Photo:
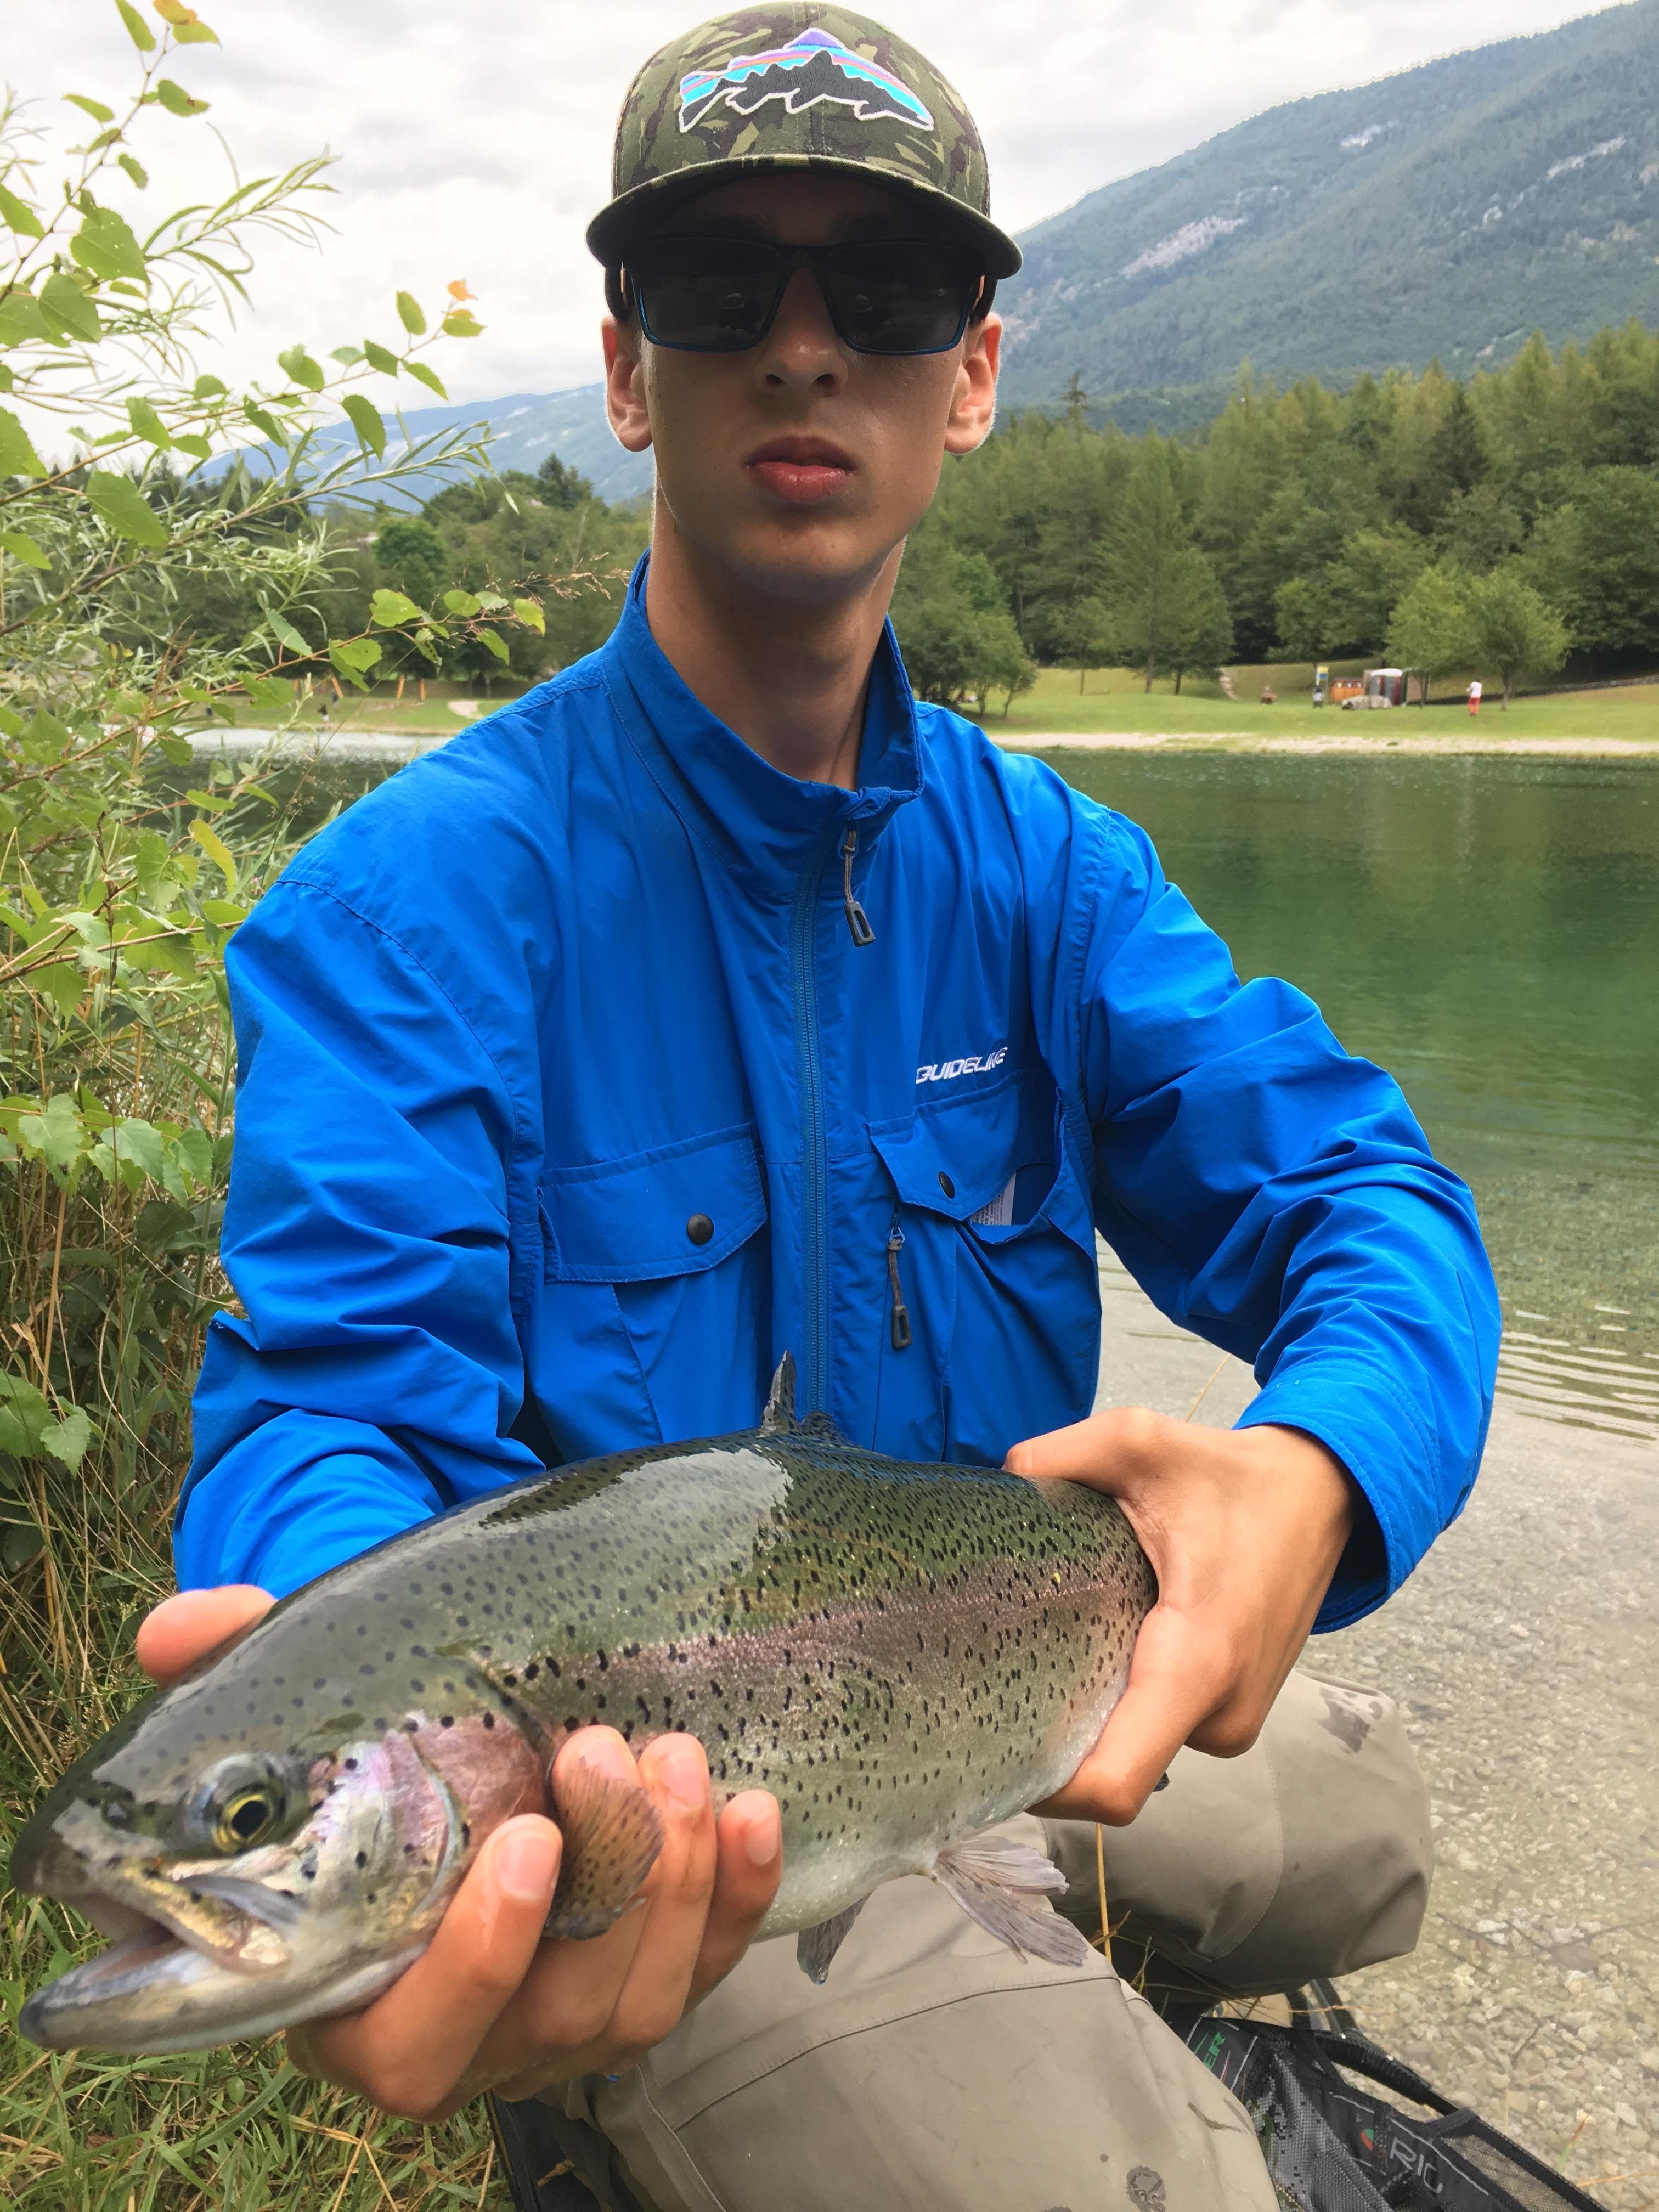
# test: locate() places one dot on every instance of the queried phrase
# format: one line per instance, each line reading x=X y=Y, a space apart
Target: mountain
x=1450 y=210
x=528 y=426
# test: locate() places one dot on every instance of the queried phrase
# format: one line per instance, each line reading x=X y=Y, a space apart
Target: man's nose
x=802 y=348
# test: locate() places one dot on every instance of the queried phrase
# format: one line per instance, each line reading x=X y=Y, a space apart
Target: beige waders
x=936 y=2072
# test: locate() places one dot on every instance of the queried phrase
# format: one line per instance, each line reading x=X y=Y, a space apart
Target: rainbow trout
x=902 y=1655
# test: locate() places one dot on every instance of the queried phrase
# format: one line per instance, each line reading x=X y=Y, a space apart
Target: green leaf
x=494 y=642
x=17 y=216
x=148 y=424
x=64 y=302
x=135 y=169
x=529 y=611
x=95 y=108
x=168 y=955
x=199 y=449
x=491 y=601
x=208 y=387
x=140 y=1143
x=269 y=692
x=217 y=850
x=461 y=602
x=225 y=912
x=462 y=324
x=138 y=29
x=210 y=800
x=175 y=99
x=63 y=984
x=67 y=1440
x=21 y=547
x=365 y=422
x=267 y=424
x=430 y=377
x=380 y=357
x=409 y=313
x=125 y=508
x=353 y=657
x=297 y=364
x=390 y=608
x=347 y=356
x=17 y=457
x=195 y=34
x=176 y=750
x=286 y=634
x=57 y=1136
x=105 y=244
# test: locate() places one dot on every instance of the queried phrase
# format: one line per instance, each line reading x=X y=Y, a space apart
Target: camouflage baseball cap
x=795 y=86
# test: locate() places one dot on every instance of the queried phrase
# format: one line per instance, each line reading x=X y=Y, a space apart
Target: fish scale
x=903 y=1656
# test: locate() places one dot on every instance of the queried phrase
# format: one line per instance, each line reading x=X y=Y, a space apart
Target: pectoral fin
x=613 y=1834
x=816 y=1947
x=1005 y=1888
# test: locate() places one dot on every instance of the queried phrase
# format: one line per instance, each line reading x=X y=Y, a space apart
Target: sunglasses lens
x=705 y=294
x=896 y=296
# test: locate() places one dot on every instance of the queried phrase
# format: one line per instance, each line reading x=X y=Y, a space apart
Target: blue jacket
x=568 y=1101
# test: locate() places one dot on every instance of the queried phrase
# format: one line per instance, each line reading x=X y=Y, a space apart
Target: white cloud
x=475 y=140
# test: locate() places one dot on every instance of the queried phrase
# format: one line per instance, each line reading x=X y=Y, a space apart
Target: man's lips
x=800 y=470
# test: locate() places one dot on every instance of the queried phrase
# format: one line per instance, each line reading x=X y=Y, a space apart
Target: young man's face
x=800 y=466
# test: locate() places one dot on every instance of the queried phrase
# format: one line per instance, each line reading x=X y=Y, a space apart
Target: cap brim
x=634 y=214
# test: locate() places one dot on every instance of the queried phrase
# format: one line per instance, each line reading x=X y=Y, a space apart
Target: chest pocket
x=658 y=1280
x=997 y=1270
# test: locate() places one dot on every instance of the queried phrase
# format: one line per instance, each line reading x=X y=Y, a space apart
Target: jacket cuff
x=1358 y=1414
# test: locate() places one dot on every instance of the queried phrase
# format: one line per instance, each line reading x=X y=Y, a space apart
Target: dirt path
x=1526 y=1652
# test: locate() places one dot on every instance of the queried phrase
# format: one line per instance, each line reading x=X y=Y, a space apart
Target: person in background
x=1475 y=696
x=606 y=1054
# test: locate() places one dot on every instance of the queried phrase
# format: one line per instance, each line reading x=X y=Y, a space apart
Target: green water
x=1489 y=930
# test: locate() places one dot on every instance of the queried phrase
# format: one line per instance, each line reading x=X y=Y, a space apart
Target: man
x=718 y=999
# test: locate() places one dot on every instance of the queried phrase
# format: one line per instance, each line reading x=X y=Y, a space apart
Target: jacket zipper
x=898 y=1327
x=815 y=1165
x=857 y=921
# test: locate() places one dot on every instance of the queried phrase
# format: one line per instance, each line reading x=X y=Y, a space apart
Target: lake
x=1488 y=930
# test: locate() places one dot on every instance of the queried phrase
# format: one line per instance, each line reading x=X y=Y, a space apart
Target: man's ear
x=974 y=401
x=624 y=384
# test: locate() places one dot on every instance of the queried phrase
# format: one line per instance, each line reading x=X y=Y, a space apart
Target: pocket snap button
x=947 y=1185
x=699 y=1229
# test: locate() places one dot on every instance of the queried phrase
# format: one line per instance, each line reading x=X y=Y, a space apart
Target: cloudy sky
x=474 y=140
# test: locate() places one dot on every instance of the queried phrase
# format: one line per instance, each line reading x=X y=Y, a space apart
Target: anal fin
x=1005 y=1888
x=613 y=1834
x=815 y=1947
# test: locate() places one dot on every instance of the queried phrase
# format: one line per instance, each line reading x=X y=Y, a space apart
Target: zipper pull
x=899 y=1326
x=857 y=921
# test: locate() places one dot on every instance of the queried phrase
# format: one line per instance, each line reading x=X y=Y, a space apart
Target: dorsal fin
x=779 y=1419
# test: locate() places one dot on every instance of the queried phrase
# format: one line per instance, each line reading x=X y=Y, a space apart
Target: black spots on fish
x=362 y=1861
x=413 y=1726
x=530 y=1672
x=490 y=1720
x=466 y=1833
x=365 y=1668
x=511 y=1681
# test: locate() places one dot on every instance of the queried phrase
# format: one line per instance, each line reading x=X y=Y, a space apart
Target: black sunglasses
x=891 y=295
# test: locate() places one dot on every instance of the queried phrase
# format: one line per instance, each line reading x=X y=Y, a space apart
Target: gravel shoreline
x=1525 y=1651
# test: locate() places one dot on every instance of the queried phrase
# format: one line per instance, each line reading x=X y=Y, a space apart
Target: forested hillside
x=1507 y=521
x=1446 y=212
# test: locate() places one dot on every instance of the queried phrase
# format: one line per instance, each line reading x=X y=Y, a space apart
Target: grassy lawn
x=1113 y=701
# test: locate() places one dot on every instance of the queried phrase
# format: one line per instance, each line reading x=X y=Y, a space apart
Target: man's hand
x=1244 y=1529
x=490 y=2004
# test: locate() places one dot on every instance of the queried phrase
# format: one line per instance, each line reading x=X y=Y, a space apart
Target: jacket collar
x=765 y=825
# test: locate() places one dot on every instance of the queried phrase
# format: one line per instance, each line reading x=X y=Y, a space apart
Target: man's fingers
x=408 y=2049
x=1177 y=1682
x=181 y=1630
x=750 y=1846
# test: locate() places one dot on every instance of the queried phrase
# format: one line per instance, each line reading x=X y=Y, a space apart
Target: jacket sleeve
x=1275 y=1194
x=374 y=1372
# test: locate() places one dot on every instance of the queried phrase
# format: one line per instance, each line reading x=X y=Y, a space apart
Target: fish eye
x=248 y=1817
x=239 y=1803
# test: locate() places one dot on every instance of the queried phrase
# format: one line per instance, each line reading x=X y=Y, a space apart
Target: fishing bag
x=1335 y=2144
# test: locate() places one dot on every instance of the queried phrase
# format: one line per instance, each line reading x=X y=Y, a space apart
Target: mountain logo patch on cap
x=813 y=66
